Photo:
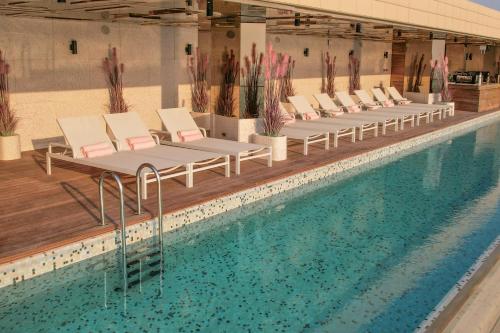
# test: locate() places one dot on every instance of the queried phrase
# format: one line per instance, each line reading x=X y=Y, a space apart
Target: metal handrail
x=118 y=181
x=139 y=196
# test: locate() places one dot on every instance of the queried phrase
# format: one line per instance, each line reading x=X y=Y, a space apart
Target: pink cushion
x=353 y=108
x=372 y=107
x=288 y=119
x=404 y=102
x=310 y=115
x=335 y=113
x=97 y=149
x=141 y=142
x=190 y=135
x=388 y=104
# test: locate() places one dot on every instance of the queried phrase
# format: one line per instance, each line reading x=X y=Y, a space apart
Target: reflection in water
x=374 y=252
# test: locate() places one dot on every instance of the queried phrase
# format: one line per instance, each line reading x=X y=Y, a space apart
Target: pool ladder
x=145 y=262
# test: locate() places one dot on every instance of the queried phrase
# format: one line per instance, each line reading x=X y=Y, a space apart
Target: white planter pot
x=423 y=98
x=236 y=129
x=202 y=119
x=277 y=143
x=10 y=147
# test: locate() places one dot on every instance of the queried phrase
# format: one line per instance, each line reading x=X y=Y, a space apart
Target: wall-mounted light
x=386 y=54
x=188 y=49
x=400 y=33
x=431 y=35
x=210 y=7
x=189 y=3
x=455 y=39
x=358 y=28
x=73 y=46
x=296 y=21
x=61 y=1
x=306 y=52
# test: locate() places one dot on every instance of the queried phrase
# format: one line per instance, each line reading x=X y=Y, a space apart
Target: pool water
x=375 y=252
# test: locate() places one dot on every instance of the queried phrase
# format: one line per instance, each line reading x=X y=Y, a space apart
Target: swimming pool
x=372 y=253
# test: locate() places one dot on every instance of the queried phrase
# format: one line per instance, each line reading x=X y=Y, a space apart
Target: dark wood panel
x=474 y=98
x=40 y=212
x=398 y=65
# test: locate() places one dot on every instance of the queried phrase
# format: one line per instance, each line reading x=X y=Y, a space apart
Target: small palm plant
x=8 y=119
x=276 y=67
x=251 y=74
x=229 y=70
x=198 y=71
x=113 y=71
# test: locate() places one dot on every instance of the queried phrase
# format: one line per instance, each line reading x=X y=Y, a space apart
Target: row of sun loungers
x=122 y=142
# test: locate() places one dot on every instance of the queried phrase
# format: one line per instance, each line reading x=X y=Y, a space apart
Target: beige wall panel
x=48 y=82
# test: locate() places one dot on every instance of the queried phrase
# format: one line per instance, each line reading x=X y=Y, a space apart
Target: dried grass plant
x=354 y=75
x=8 y=119
x=331 y=72
x=252 y=75
x=198 y=71
x=287 y=84
x=113 y=71
x=229 y=70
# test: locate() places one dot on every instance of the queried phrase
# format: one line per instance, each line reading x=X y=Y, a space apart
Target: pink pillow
x=288 y=119
x=336 y=113
x=97 y=149
x=354 y=108
x=190 y=135
x=372 y=107
x=141 y=142
x=310 y=115
x=404 y=102
x=388 y=104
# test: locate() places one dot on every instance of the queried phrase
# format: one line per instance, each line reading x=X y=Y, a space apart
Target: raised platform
x=40 y=213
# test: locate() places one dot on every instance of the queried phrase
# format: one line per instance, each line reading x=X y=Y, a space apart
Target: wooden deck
x=40 y=212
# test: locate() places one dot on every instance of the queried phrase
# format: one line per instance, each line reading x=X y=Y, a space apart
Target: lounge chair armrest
x=116 y=143
x=58 y=145
x=160 y=135
x=203 y=131
x=156 y=138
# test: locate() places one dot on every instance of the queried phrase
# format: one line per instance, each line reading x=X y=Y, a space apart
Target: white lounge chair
x=328 y=107
x=337 y=128
x=176 y=120
x=127 y=126
x=82 y=132
x=349 y=105
x=438 y=109
x=420 y=113
x=404 y=115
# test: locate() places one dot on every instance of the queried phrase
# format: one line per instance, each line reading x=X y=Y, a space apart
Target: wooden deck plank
x=40 y=212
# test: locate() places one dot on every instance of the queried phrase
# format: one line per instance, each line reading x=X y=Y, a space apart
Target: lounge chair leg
x=270 y=158
x=305 y=146
x=353 y=137
x=384 y=127
x=228 y=166
x=237 y=164
x=376 y=131
x=361 y=134
x=327 y=141
x=48 y=164
x=189 y=176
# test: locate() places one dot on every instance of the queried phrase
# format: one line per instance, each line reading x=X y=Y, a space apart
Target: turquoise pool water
x=374 y=252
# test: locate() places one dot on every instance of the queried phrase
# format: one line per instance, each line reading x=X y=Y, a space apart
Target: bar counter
x=475 y=98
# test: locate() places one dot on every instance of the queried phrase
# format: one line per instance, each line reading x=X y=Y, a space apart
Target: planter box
x=423 y=97
x=202 y=119
x=10 y=147
x=231 y=128
x=277 y=143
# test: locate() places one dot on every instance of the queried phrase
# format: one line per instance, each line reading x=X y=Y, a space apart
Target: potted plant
x=10 y=143
x=446 y=96
x=354 y=74
x=276 y=67
x=198 y=73
x=416 y=91
x=113 y=71
x=287 y=88
x=328 y=84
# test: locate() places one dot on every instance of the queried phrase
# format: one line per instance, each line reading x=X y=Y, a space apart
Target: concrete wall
x=48 y=82
x=453 y=15
x=308 y=70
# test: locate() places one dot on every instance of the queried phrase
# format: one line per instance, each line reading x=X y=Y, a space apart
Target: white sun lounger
x=82 y=131
x=420 y=113
x=179 y=119
x=383 y=119
x=128 y=125
x=337 y=129
x=438 y=109
x=404 y=115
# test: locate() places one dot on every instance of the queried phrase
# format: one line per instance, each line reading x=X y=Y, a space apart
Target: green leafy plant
x=8 y=119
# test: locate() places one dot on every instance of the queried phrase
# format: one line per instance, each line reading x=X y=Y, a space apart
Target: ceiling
x=226 y=14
